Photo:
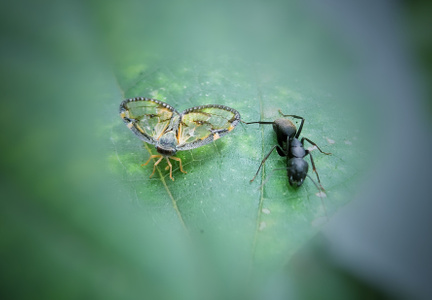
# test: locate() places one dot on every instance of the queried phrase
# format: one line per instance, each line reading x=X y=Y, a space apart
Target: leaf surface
x=89 y=209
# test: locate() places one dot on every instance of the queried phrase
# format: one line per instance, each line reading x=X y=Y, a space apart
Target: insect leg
x=302 y=141
x=314 y=169
x=265 y=158
x=258 y=122
x=269 y=175
x=154 y=166
x=297 y=117
x=180 y=163
x=170 y=167
x=150 y=158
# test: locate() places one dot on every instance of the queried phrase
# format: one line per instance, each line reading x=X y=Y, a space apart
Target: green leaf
x=77 y=194
x=261 y=224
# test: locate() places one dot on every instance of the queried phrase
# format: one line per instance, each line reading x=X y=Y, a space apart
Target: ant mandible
x=290 y=147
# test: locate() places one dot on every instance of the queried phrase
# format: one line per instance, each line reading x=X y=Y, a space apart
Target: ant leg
x=314 y=169
x=265 y=158
x=297 y=117
x=258 y=122
x=302 y=141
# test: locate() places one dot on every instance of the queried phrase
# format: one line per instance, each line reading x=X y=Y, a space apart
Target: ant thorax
x=296 y=149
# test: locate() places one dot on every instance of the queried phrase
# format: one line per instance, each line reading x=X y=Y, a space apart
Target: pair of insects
x=159 y=124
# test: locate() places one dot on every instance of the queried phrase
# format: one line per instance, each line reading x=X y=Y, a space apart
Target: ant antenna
x=321 y=190
x=269 y=175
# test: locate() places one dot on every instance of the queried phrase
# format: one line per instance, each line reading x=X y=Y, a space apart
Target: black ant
x=290 y=147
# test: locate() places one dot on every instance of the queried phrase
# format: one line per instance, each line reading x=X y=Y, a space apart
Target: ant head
x=297 y=169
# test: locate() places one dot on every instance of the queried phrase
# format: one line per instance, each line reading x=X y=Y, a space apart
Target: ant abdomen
x=284 y=128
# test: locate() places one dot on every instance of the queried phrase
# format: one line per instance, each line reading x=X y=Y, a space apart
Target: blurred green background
x=81 y=219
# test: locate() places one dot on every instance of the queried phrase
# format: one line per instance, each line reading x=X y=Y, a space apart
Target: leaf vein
x=173 y=201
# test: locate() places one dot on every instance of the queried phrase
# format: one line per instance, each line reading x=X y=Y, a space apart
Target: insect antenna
x=268 y=177
x=321 y=190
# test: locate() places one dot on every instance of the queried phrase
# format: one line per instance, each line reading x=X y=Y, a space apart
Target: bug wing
x=203 y=124
x=148 y=118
